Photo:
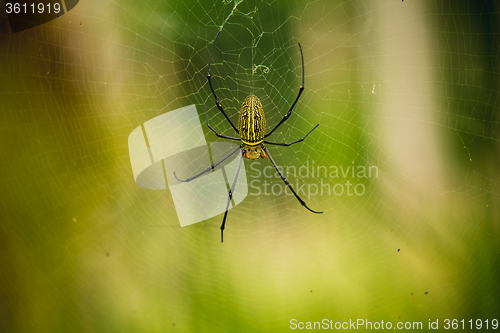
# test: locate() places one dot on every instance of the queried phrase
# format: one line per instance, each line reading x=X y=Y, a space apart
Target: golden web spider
x=251 y=131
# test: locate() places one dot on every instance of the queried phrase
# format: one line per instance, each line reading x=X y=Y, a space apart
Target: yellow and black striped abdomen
x=252 y=123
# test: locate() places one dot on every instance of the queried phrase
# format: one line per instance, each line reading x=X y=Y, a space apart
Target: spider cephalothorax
x=253 y=152
x=251 y=130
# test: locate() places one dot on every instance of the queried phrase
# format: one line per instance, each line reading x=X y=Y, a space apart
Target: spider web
x=407 y=88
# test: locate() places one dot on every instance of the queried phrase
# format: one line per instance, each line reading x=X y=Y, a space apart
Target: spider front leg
x=296 y=99
x=212 y=88
x=219 y=135
x=287 y=183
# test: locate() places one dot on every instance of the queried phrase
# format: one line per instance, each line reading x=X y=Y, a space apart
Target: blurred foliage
x=410 y=87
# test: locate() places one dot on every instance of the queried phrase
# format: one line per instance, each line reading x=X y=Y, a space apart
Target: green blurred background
x=409 y=87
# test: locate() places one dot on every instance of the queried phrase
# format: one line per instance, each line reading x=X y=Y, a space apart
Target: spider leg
x=212 y=88
x=219 y=135
x=210 y=167
x=286 y=182
x=291 y=143
x=296 y=99
x=230 y=196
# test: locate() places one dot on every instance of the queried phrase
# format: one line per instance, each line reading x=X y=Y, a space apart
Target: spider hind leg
x=287 y=183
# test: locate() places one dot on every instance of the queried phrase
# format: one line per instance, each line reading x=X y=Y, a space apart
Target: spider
x=251 y=131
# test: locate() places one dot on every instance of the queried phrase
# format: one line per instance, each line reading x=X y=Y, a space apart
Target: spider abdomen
x=252 y=122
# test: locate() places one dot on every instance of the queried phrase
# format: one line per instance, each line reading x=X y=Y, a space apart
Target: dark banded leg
x=213 y=166
x=230 y=196
x=212 y=88
x=219 y=135
x=286 y=181
x=296 y=99
x=291 y=143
